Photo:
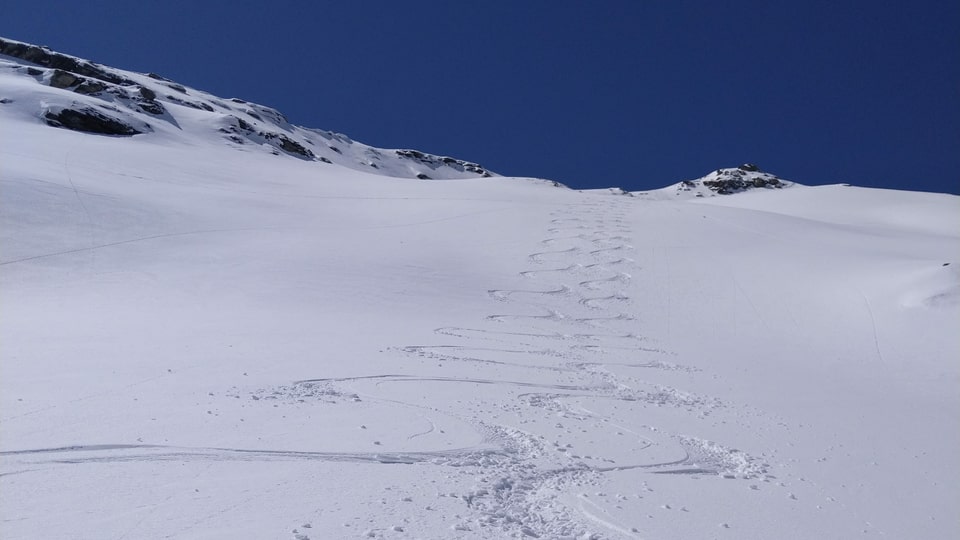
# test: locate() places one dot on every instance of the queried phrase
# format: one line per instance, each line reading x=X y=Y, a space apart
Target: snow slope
x=201 y=341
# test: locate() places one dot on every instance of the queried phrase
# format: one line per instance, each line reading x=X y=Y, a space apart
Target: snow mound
x=937 y=287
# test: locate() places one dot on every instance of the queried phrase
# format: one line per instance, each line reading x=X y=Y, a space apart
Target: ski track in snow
x=522 y=480
x=523 y=472
x=522 y=492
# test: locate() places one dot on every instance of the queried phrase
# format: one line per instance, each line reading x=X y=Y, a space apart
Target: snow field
x=200 y=342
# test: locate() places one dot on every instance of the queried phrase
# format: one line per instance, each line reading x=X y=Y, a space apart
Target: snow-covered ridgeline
x=69 y=92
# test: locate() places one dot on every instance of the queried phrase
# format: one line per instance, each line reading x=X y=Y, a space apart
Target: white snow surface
x=203 y=342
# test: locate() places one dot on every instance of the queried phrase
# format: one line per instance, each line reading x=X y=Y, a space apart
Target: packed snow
x=205 y=338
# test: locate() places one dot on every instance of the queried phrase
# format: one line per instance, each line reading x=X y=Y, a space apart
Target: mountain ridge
x=89 y=97
x=84 y=96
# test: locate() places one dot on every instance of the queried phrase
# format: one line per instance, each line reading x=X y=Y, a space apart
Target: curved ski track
x=575 y=314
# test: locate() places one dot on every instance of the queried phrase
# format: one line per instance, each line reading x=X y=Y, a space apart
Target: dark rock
x=289 y=145
x=62 y=79
x=183 y=102
x=242 y=124
x=90 y=87
x=422 y=176
x=325 y=160
x=731 y=181
x=89 y=120
x=411 y=154
x=272 y=115
x=178 y=87
x=438 y=161
x=151 y=107
x=749 y=167
x=34 y=71
x=191 y=104
x=47 y=58
x=474 y=168
x=293 y=147
x=147 y=93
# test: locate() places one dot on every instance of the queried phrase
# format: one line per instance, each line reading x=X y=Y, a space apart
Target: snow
x=202 y=340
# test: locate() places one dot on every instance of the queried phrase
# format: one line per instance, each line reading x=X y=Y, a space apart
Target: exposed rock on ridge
x=89 y=120
x=434 y=162
x=732 y=180
x=43 y=56
x=88 y=97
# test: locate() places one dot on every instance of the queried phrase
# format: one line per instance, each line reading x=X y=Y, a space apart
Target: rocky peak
x=732 y=180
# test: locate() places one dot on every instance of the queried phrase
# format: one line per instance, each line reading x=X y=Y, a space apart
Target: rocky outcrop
x=727 y=181
x=61 y=78
x=199 y=105
x=88 y=120
x=240 y=130
x=139 y=97
x=289 y=145
x=434 y=162
x=43 y=56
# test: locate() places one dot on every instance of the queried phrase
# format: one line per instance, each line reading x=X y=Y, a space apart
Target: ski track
x=524 y=476
x=520 y=488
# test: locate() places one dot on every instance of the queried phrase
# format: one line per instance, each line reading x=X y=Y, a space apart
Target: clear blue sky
x=637 y=94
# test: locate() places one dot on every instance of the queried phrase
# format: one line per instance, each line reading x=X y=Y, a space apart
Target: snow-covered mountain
x=207 y=333
x=68 y=92
x=746 y=177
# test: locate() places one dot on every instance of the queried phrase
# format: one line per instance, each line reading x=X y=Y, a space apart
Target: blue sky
x=637 y=94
